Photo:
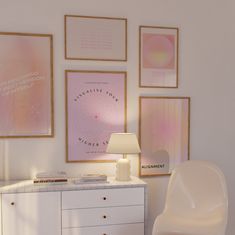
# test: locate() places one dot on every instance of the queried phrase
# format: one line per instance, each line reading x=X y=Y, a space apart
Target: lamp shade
x=123 y=143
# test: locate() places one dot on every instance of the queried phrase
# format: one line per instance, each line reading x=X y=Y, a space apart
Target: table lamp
x=123 y=143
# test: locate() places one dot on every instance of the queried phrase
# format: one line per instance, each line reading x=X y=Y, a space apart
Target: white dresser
x=114 y=208
x=31 y=213
x=103 y=211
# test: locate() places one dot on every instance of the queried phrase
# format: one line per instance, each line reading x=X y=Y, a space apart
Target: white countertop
x=27 y=186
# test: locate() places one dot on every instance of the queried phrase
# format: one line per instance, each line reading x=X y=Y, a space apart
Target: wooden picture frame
x=164 y=124
x=26 y=85
x=95 y=108
x=158 y=57
x=95 y=38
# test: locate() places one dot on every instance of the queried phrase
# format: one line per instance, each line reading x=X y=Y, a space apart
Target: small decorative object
x=95 y=38
x=164 y=134
x=123 y=143
x=95 y=108
x=158 y=61
x=26 y=85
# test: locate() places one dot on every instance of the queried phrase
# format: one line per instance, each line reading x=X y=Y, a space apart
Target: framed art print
x=26 y=85
x=163 y=134
x=95 y=108
x=95 y=38
x=158 y=59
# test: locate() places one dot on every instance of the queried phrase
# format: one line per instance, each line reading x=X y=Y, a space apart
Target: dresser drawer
x=128 y=229
x=102 y=198
x=102 y=216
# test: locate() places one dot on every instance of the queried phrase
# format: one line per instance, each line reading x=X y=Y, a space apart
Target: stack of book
x=50 y=177
x=91 y=178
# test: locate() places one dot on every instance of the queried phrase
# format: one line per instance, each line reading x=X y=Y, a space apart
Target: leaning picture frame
x=164 y=124
x=95 y=108
x=158 y=57
x=95 y=38
x=26 y=85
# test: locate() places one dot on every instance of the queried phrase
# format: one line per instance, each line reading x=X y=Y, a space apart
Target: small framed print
x=95 y=38
x=26 y=85
x=163 y=134
x=95 y=108
x=158 y=59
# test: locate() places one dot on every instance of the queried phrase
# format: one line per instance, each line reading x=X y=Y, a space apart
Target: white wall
x=206 y=74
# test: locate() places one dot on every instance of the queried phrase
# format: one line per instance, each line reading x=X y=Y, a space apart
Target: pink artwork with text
x=164 y=134
x=96 y=108
x=25 y=85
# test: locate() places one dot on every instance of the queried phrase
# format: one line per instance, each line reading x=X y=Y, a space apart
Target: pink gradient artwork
x=164 y=128
x=158 y=51
x=158 y=57
x=26 y=85
x=96 y=106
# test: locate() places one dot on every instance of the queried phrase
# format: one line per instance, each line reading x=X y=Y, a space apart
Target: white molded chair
x=196 y=201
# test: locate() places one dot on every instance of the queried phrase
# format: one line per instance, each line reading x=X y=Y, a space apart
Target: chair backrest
x=196 y=188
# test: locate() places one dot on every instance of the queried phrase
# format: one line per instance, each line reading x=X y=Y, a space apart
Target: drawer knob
x=104 y=216
x=12 y=203
x=104 y=198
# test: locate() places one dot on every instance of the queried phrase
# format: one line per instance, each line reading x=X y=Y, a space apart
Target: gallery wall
x=206 y=74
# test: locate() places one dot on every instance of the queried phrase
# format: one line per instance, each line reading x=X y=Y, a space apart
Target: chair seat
x=174 y=225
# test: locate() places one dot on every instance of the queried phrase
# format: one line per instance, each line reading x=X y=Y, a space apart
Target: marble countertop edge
x=27 y=186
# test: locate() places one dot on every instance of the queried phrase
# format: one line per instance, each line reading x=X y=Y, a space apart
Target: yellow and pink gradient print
x=164 y=134
x=25 y=85
x=158 y=51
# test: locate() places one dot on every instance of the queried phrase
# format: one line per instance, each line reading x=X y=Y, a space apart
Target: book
x=91 y=178
x=51 y=175
x=50 y=180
